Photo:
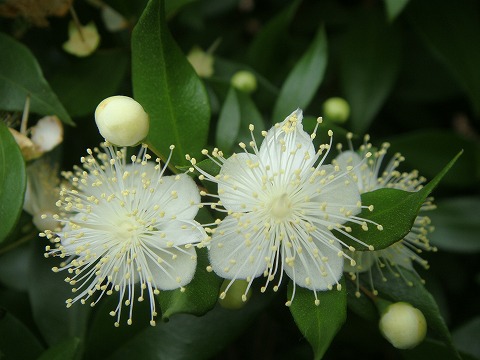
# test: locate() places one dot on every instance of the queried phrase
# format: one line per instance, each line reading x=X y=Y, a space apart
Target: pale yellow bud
x=244 y=81
x=122 y=121
x=403 y=325
x=336 y=109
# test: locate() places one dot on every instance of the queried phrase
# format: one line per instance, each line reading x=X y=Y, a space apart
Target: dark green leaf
x=453 y=33
x=168 y=88
x=362 y=306
x=228 y=124
x=268 y=45
x=397 y=289
x=65 y=350
x=466 y=337
x=12 y=181
x=303 y=81
x=16 y=340
x=456 y=225
x=369 y=64
x=83 y=83
x=199 y=297
x=394 y=8
x=21 y=76
x=395 y=210
x=319 y=324
x=441 y=147
x=48 y=292
x=431 y=349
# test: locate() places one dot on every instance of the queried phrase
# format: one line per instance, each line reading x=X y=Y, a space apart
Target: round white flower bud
x=403 y=325
x=244 y=81
x=336 y=109
x=121 y=120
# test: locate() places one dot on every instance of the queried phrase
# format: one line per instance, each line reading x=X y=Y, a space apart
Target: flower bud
x=201 y=61
x=82 y=40
x=121 y=120
x=244 y=81
x=403 y=325
x=234 y=298
x=336 y=109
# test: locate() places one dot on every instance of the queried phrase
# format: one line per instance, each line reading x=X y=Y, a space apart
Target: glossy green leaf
x=395 y=210
x=395 y=8
x=48 y=292
x=427 y=150
x=12 y=181
x=268 y=45
x=21 y=76
x=319 y=324
x=456 y=225
x=83 y=83
x=199 y=297
x=16 y=340
x=168 y=88
x=362 y=306
x=303 y=81
x=466 y=337
x=397 y=289
x=65 y=350
x=453 y=34
x=369 y=64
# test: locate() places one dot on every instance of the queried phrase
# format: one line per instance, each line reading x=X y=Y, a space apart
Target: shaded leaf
x=168 y=88
x=16 y=340
x=12 y=181
x=319 y=324
x=200 y=295
x=369 y=64
x=394 y=8
x=395 y=210
x=303 y=81
x=65 y=350
x=21 y=76
x=431 y=349
x=466 y=337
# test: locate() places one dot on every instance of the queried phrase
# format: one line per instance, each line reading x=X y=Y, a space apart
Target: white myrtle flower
x=284 y=208
x=126 y=223
x=370 y=176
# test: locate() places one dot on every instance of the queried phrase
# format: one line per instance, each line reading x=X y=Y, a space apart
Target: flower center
x=281 y=207
x=127 y=230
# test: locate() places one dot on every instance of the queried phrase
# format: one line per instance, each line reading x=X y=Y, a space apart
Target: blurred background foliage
x=410 y=71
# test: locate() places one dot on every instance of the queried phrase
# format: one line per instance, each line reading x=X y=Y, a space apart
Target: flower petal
x=351 y=158
x=236 y=253
x=314 y=272
x=181 y=232
x=240 y=179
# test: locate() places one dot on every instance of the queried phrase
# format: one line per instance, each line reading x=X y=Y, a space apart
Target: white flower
x=284 y=209
x=126 y=223
x=41 y=194
x=371 y=176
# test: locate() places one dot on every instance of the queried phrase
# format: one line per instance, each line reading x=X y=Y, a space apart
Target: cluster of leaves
x=409 y=74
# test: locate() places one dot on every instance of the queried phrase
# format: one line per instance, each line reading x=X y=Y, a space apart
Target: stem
x=26 y=110
x=77 y=23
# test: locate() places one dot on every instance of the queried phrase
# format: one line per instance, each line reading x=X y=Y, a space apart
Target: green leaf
x=394 y=8
x=48 y=292
x=268 y=45
x=65 y=350
x=319 y=324
x=168 y=88
x=427 y=150
x=466 y=337
x=21 y=76
x=16 y=340
x=199 y=297
x=453 y=34
x=432 y=349
x=303 y=81
x=456 y=225
x=83 y=83
x=369 y=64
x=395 y=210
x=12 y=181
x=397 y=289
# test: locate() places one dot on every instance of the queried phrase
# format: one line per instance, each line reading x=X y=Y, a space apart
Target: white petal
x=179 y=196
x=182 y=232
x=48 y=133
x=232 y=256
x=287 y=147
x=351 y=158
x=341 y=195
x=313 y=272
x=175 y=270
x=240 y=179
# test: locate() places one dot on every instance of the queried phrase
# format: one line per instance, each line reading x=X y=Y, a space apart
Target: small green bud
x=244 y=81
x=336 y=109
x=403 y=325
x=234 y=298
x=122 y=121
